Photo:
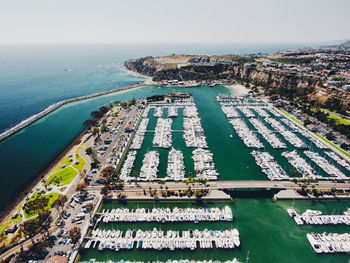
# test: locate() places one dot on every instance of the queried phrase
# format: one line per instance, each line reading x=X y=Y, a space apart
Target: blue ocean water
x=34 y=77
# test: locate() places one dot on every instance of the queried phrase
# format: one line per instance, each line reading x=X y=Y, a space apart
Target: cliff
x=285 y=84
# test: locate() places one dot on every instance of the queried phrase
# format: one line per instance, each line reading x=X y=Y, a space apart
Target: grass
x=5 y=225
x=81 y=160
x=62 y=177
x=339 y=120
x=294 y=119
x=52 y=197
x=335 y=146
x=65 y=161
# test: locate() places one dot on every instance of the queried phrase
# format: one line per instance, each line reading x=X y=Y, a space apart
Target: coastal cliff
x=283 y=83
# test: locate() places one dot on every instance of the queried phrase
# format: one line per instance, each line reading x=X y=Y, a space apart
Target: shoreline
x=25 y=123
x=10 y=209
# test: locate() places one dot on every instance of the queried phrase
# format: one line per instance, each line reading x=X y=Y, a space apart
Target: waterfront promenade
x=322 y=185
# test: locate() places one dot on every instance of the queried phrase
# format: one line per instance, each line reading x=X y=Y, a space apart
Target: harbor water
x=265 y=230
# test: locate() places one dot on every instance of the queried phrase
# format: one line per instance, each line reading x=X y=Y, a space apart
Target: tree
x=105 y=190
x=95 y=131
x=330 y=136
x=59 y=203
x=108 y=172
x=89 y=208
x=88 y=150
x=274 y=97
x=45 y=219
x=75 y=233
x=90 y=122
x=31 y=227
x=82 y=188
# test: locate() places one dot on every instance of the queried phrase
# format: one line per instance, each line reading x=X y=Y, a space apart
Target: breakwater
x=53 y=107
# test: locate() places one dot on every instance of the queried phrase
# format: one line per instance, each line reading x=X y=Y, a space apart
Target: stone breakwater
x=53 y=107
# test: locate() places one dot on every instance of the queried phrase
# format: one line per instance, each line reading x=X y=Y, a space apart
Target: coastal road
x=293 y=119
x=228 y=185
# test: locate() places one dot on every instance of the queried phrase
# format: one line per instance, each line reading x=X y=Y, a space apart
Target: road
x=227 y=185
x=312 y=134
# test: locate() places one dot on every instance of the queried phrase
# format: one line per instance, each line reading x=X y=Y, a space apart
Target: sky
x=176 y=21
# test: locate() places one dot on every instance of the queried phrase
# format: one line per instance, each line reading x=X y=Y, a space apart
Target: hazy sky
x=105 y=21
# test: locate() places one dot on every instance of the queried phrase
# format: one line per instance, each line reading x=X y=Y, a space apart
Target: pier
x=57 y=105
x=155 y=239
x=164 y=215
x=312 y=217
x=329 y=242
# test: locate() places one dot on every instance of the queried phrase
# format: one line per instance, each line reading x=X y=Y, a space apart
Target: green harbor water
x=266 y=230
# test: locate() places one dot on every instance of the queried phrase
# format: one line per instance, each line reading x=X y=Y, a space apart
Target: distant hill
x=345 y=44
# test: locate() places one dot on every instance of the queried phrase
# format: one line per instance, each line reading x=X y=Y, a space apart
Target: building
x=57 y=259
x=346 y=87
x=312 y=127
x=128 y=128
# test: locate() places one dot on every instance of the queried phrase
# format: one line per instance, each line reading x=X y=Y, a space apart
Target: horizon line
x=179 y=43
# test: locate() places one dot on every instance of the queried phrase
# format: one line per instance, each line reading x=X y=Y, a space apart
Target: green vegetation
x=64 y=162
x=38 y=203
x=293 y=60
x=78 y=158
x=5 y=225
x=62 y=177
x=339 y=120
x=294 y=119
x=335 y=146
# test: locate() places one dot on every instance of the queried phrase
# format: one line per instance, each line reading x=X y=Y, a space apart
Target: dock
x=164 y=215
x=158 y=240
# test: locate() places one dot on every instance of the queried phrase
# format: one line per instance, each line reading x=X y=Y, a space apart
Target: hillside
x=232 y=67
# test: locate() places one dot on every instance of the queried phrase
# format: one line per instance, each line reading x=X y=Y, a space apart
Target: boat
x=228 y=212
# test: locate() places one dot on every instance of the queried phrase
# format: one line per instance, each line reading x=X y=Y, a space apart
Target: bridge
x=321 y=185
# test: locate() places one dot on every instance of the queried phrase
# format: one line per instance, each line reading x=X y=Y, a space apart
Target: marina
x=269 y=166
x=268 y=210
x=300 y=165
x=158 y=112
x=176 y=167
x=190 y=111
x=325 y=165
x=288 y=135
x=116 y=240
x=314 y=217
x=172 y=112
x=204 y=164
x=329 y=242
x=127 y=166
x=149 y=167
x=249 y=138
x=246 y=111
x=140 y=134
x=162 y=135
x=339 y=160
x=194 y=133
x=229 y=111
x=268 y=135
x=164 y=215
